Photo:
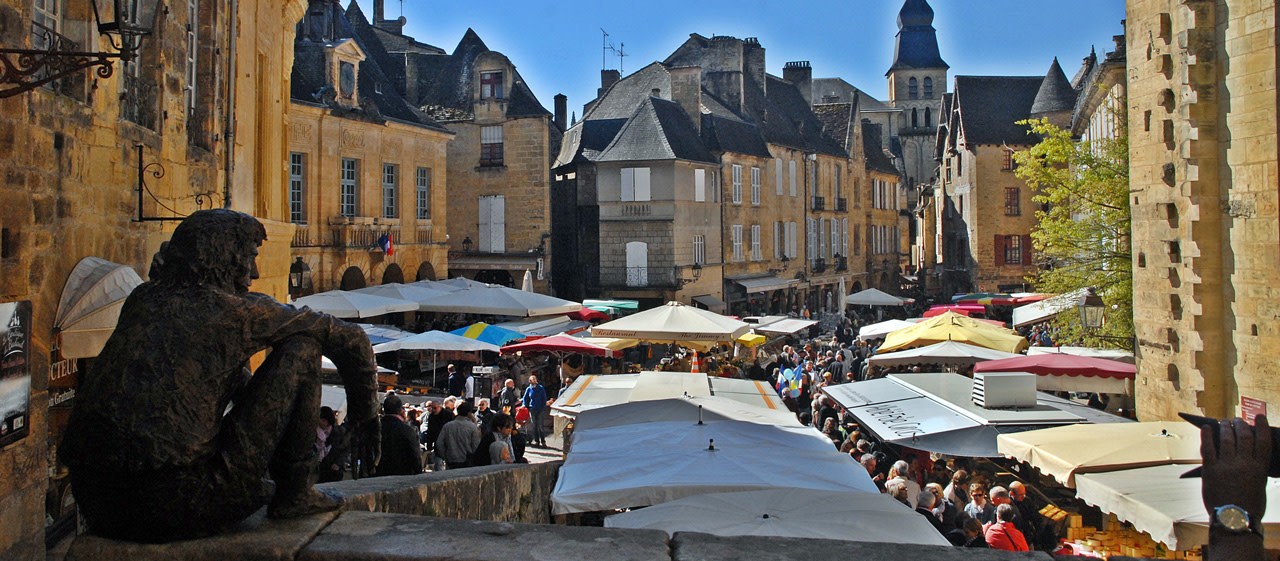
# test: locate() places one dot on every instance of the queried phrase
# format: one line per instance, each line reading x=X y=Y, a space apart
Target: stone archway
x=502 y=278
x=857 y=287
x=426 y=272
x=393 y=274
x=352 y=279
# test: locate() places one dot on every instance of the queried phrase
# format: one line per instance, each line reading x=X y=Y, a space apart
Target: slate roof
x=845 y=92
x=877 y=159
x=837 y=120
x=377 y=92
x=659 y=130
x=619 y=101
x=1055 y=93
x=990 y=106
x=722 y=134
x=917 y=41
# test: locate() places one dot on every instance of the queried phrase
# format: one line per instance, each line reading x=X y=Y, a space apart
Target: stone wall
x=1203 y=161
x=982 y=184
x=501 y=493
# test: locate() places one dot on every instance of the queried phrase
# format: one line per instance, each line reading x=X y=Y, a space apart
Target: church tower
x=917 y=82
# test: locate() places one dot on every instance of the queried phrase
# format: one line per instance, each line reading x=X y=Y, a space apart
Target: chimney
x=753 y=60
x=378 y=13
x=801 y=74
x=608 y=78
x=562 y=106
x=686 y=89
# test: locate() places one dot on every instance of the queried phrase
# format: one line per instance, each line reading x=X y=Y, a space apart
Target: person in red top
x=1002 y=534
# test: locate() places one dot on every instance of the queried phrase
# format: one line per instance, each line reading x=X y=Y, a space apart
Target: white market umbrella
x=436 y=341
x=796 y=513
x=527 y=285
x=327 y=365
x=673 y=323
x=843 y=301
x=90 y=306
x=460 y=282
x=873 y=297
x=881 y=329
x=499 y=301
x=683 y=409
x=688 y=435
x=946 y=352
x=1156 y=501
x=1065 y=452
x=410 y=292
x=346 y=304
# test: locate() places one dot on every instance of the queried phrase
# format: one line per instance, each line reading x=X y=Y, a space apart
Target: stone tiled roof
x=444 y=87
x=877 y=159
x=787 y=118
x=619 y=101
x=1055 y=93
x=837 y=119
x=658 y=130
x=990 y=107
x=722 y=134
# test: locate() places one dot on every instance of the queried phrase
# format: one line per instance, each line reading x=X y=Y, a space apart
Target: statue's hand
x=366 y=447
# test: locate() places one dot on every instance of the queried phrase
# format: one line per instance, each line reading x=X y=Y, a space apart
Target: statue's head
x=217 y=247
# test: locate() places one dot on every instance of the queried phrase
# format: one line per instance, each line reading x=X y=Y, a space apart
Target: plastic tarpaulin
x=795 y=513
x=90 y=306
x=1157 y=502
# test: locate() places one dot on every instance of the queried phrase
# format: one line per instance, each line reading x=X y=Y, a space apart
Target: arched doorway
x=426 y=272
x=352 y=279
x=857 y=287
x=886 y=284
x=501 y=278
x=393 y=274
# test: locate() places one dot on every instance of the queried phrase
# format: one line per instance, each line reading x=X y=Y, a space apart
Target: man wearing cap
x=401 y=454
x=459 y=438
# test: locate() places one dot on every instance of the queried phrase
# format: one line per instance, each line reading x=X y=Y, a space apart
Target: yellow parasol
x=954 y=327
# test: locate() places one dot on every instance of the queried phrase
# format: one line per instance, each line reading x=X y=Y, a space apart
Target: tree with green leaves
x=1082 y=237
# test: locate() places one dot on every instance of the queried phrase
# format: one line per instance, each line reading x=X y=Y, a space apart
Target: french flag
x=387 y=246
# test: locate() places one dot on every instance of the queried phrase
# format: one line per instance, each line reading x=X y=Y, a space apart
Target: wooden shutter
x=1026 y=251
x=999 y=250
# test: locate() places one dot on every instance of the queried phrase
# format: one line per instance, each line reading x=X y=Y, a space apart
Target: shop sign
x=1252 y=407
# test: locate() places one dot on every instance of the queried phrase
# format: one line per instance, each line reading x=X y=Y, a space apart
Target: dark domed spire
x=915 y=13
x=917 y=42
x=1056 y=93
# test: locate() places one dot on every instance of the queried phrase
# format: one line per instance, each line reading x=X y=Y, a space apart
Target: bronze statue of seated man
x=171 y=435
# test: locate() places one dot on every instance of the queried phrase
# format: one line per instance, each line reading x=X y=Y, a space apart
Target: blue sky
x=556 y=46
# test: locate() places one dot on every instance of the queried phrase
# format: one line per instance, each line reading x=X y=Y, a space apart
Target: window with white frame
x=635 y=184
x=791 y=166
x=737 y=242
x=755 y=186
x=389 y=191
x=491 y=146
x=297 y=184
x=349 y=187
x=777 y=175
x=737 y=184
x=700 y=185
x=756 y=253
x=193 y=27
x=423 y=193
x=47 y=17
x=700 y=249
x=844 y=237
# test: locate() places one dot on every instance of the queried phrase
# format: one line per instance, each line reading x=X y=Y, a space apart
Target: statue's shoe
x=311 y=501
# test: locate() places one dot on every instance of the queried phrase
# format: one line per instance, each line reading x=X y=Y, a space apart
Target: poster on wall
x=15 y=371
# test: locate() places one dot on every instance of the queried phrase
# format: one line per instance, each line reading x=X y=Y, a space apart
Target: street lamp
x=1091 y=310
x=299 y=277
x=466 y=244
x=123 y=22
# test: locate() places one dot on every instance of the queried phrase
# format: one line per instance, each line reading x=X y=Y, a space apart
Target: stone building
x=917 y=82
x=499 y=161
x=1203 y=171
x=987 y=211
x=776 y=195
x=71 y=191
x=363 y=163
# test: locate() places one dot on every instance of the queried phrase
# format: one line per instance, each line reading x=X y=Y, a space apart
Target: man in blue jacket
x=535 y=399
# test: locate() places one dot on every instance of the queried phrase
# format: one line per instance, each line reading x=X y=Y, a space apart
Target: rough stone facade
x=1203 y=171
x=70 y=190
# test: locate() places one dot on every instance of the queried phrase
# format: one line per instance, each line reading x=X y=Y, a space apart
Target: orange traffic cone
x=697 y=365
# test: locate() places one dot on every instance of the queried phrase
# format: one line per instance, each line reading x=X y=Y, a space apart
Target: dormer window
x=347 y=79
x=491 y=85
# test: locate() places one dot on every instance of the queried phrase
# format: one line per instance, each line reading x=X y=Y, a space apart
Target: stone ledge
x=375 y=536
x=256 y=539
x=693 y=546
x=513 y=493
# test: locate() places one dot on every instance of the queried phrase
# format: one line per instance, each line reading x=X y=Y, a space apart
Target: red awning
x=962 y=309
x=1060 y=364
x=560 y=344
x=588 y=314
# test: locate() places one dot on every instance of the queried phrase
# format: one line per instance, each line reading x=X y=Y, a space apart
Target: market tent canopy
x=1109 y=354
x=1066 y=372
x=1065 y=452
x=498 y=301
x=90 y=306
x=674 y=323
x=379 y=334
x=785 y=326
x=456 y=283
x=1048 y=308
x=796 y=513
x=588 y=314
x=559 y=344
x=874 y=297
x=593 y=391
x=751 y=340
x=946 y=352
x=688 y=435
x=609 y=342
x=491 y=334
x=683 y=409
x=962 y=309
x=614 y=304
x=1170 y=509
x=410 y=292
x=544 y=326
x=436 y=341
x=880 y=330
x=955 y=327
x=346 y=304
x=327 y=365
